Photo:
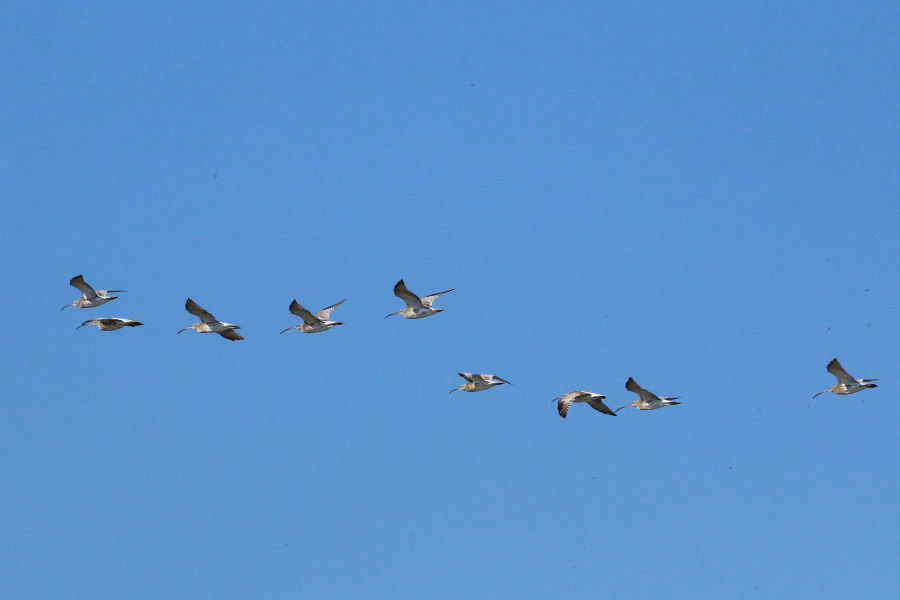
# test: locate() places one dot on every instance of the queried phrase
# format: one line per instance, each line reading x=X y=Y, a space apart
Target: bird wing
x=402 y=292
x=596 y=402
x=632 y=386
x=835 y=368
x=303 y=313
x=109 y=322
x=564 y=402
x=479 y=377
x=494 y=378
x=466 y=376
x=86 y=290
x=429 y=300
x=323 y=314
x=230 y=334
x=196 y=310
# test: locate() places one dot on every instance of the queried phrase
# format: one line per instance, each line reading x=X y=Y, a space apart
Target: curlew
x=593 y=400
x=89 y=297
x=476 y=382
x=647 y=400
x=847 y=384
x=210 y=324
x=110 y=323
x=416 y=308
x=314 y=323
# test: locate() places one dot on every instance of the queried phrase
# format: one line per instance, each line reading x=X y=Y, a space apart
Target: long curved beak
x=392 y=314
x=626 y=406
x=288 y=329
x=822 y=392
x=185 y=329
x=68 y=305
x=451 y=391
x=80 y=326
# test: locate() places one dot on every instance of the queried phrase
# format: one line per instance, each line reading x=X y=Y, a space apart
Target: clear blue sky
x=699 y=195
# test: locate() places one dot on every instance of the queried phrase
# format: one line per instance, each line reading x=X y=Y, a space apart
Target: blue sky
x=700 y=196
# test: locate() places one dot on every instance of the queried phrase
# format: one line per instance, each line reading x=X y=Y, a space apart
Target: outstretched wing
x=632 y=386
x=835 y=368
x=86 y=290
x=323 y=314
x=402 y=292
x=466 y=376
x=230 y=334
x=429 y=300
x=596 y=402
x=494 y=378
x=564 y=402
x=303 y=313
x=196 y=310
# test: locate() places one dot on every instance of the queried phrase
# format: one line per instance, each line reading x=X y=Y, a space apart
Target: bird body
x=476 y=382
x=314 y=323
x=593 y=400
x=647 y=400
x=209 y=324
x=416 y=307
x=110 y=323
x=89 y=297
x=847 y=384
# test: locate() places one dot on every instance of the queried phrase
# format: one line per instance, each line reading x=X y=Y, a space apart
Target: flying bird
x=647 y=400
x=476 y=382
x=314 y=323
x=110 y=324
x=846 y=384
x=593 y=400
x=89 y=297
x=209 y=324
x=416 y=308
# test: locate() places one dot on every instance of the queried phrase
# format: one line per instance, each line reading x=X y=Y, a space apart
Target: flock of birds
x=416 y=308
